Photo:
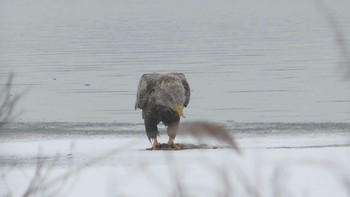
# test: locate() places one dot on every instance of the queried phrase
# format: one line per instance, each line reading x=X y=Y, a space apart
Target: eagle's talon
x=174 y=146
x=154 y=148
x=155 y=144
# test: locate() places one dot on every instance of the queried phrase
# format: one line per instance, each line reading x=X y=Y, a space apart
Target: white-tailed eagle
x=162 y=98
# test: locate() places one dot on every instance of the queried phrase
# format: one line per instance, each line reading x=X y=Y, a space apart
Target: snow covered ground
x=109 y=159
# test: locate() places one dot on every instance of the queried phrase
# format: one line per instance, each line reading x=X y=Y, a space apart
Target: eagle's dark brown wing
x=186 y=86
x=144 y=89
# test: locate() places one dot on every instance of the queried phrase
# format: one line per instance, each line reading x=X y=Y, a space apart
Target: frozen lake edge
x=27 y=130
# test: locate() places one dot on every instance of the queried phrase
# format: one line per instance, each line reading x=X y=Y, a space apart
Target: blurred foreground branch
x=8 y=102
x=201 y=129
x=344 y=64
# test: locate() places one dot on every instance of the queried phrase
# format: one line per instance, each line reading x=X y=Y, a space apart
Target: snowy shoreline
x=277 y=159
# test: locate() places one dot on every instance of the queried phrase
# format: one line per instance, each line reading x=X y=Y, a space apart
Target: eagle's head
x=180 y=110
x=176 y=103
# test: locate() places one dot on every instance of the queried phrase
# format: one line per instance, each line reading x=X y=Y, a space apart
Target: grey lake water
x=246 y=61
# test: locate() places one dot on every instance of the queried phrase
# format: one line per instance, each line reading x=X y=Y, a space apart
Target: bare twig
x=179 y=187
x=144 y=168
x=3 y=177
x=62 y=179
x=43 y=183
x=340 y=173
x=344 y=51
x=201 y=129
x=8 y=102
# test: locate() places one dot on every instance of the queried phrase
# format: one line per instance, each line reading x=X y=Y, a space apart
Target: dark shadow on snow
x=166 y=147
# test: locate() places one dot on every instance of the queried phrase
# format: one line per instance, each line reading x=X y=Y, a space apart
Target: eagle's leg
x=172 y=130
x=152 y=132
x=155 y=144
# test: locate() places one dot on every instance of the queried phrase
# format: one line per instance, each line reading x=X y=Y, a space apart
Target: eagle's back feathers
x=162 y=89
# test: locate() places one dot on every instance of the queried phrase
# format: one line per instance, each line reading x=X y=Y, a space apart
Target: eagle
x=162 y=98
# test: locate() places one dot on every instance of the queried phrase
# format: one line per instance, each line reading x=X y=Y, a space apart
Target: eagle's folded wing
x=144 y=89
x=186 y=86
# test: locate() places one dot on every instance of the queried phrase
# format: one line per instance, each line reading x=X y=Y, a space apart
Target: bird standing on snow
x=162 y=98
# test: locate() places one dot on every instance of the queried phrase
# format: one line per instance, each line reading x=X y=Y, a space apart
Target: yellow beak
x=179 y=110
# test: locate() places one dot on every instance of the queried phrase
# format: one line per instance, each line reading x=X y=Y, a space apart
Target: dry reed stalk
x=344 y=64
x=201 y=129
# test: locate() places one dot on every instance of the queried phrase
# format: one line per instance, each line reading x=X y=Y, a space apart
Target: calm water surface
x=249 y=61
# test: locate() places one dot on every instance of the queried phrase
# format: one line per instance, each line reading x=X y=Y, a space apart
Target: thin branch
x=9 y=102
x=339 y=37
x=6 y=184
